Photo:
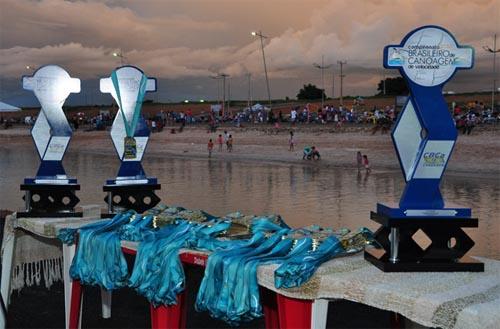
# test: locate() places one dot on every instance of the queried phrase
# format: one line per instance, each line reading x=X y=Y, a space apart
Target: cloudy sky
x=183 y=43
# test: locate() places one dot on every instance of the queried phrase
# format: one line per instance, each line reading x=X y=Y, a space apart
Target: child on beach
x=210 y=147
x=291 y=142
x=229 y=143
x=366 y=163
x=315 y=153
x=359 y=159
x=220 y=141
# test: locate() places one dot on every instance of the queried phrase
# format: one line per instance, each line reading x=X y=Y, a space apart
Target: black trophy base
x=380 y=259
x=50 y=200
x=137 y=197
x=445 y=251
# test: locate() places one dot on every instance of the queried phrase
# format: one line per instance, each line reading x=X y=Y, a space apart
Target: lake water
x=302 y=195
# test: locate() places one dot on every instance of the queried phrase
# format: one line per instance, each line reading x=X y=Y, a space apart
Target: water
x=303 y=195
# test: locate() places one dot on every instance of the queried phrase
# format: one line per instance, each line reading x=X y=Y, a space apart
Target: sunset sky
x=182 y=43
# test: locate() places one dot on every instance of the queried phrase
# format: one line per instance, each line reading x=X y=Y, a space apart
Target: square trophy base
x=50 y=198
x=401 y=251
x=135 y=194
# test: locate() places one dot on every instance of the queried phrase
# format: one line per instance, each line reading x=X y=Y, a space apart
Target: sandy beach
x=474 y=155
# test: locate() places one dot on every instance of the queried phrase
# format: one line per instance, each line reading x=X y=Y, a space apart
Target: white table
x=448 y=300
x=32 y=242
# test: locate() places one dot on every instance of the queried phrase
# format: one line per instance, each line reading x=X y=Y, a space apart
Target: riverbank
x=474 y=155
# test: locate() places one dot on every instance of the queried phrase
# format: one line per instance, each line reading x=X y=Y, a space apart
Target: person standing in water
x=230 y=143
x=220 y=142
x=359 y=160
x=291 y=142
x=210 y=147
x=366 y=163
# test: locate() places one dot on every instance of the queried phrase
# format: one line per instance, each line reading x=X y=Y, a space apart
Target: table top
x=446 y=300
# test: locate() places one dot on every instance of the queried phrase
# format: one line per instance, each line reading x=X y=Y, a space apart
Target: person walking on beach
x=229 y=143
x=293 y=116
x=220 y=142
x=366 y=163
x=291 y=142
x=359 y=160
x=210 y=147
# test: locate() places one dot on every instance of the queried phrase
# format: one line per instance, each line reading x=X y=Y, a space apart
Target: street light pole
x=121 y=56
x=259 y=34
x=341 y=63
x=494 y=51
x=222 y=76
x=229 y=96
x=383 y=82
x=333 y=83
x=322 y=67
x=249 y=100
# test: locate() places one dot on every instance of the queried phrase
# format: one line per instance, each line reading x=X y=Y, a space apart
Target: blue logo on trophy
x=51 y=192
x=130 y=134
x=424 y=136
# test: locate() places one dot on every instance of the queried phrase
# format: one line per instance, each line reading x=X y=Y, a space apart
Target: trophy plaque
x=51 y=193
x=131 y=189
x=424 y=136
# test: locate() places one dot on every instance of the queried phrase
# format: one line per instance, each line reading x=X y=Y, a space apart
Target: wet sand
x=475 y=154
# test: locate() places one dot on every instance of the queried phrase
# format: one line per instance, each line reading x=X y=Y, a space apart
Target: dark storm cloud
x=191 y=40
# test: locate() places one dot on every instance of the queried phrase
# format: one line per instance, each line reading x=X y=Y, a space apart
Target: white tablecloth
x=448 y=300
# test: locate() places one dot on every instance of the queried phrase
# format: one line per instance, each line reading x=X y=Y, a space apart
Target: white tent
x=4 y=107
x=257 y=107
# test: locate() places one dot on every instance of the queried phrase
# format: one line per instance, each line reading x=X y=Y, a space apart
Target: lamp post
x=229 y=96
x=494 y=51
x=342 y=75
x=322 y=67
x=122 y=57
x=222 y=76
x=249 y=100
x=333 y=83
x=216 y=77
x=262 y=37
x=383 y=83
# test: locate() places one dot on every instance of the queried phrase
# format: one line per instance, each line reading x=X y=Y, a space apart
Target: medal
x=130 y=148
x=129 y=143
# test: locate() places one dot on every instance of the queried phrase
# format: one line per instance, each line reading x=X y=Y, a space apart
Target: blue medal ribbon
x=299 y=269
x=130 y=129
x=99 y=259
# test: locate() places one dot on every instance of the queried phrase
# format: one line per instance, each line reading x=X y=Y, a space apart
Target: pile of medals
x=237 y=245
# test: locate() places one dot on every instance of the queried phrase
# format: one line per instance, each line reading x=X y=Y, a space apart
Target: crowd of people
x=466 y=117
x=474 y=113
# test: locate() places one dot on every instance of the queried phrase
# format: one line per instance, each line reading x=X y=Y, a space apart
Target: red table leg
x=397 y=320
x=169 y=317
x=294 y=313
x=270 y=307
x=76 y=303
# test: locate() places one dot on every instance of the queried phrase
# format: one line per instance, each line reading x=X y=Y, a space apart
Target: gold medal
x=130 y=148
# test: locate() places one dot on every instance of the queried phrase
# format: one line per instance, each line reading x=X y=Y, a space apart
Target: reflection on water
x=303 y=195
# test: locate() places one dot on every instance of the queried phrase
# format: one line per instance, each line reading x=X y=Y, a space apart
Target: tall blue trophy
x=424 y=136
x=131 y=189
x=51 y=193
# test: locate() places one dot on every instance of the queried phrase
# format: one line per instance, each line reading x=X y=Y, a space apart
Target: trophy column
x=51 y=193
x=131 y=189
x=424 y=137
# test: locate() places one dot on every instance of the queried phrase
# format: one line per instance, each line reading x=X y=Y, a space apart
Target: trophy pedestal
x=46 y=198
x=138 y=195
x=399 y=251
